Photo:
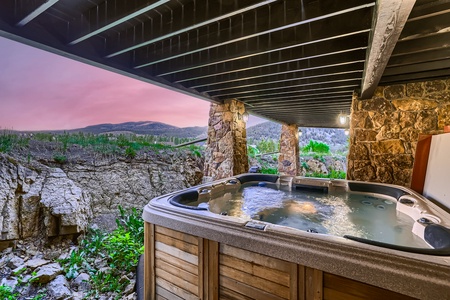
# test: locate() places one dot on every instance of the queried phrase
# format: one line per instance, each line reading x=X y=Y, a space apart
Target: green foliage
x=332 y=175
x=316 y=147
x=39 y=296
x=9 y=140
x=269 y=170
x=338 y=174
x=305 y=166
x=268 y=146
x=252 y=151
x=130 y=152
x=6 y=293
x=127 y=145
x=60 y=158
x=196 y=150
x=120 y=249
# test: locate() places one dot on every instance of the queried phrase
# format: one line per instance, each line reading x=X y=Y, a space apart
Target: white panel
x=437 y=180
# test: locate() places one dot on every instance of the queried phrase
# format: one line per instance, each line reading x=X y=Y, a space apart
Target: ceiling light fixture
x=343 y=119
x=245 y=117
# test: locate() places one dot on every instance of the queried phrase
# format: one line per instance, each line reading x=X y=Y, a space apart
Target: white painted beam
x=120 y=21
x=390 y=17
x=36 y=12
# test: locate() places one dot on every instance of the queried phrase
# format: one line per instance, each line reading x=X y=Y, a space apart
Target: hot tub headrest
x=376 y=188
x=181 y=199
x=437 y=236
x=257 y=177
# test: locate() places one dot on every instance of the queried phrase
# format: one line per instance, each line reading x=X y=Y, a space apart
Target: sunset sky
x=41 y=91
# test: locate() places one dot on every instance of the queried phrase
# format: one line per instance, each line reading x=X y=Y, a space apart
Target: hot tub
x=259 y=236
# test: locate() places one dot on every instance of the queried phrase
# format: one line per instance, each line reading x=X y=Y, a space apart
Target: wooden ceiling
x=290 y=61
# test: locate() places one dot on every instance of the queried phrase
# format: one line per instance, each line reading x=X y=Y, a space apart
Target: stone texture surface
x=58 y=288
x=226 y=153
x=46 y=273
x=134 y=183
x=384 y=130
x=41 y=202
x=39 y=278
x=289 y=159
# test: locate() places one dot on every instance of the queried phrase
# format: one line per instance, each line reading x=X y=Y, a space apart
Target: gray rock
x=58 y=288
x=81 y=283
x=15 y=261
x=12 y=282
x=26 y=278
x=78 y=296
x=34 y=190
x=54 y=202
x=67 y=202
x=129 y=288
x=37 y=262
x=19 y=270
x=48 y=272
x=7 y=251
x=3 y=261
x=131 y=296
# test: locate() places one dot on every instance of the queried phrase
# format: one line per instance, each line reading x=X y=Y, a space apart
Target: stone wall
x=289 y=159
x=384 y=130
x=226 y=152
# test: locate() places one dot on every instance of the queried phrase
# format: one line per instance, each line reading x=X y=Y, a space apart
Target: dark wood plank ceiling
x=290 y=61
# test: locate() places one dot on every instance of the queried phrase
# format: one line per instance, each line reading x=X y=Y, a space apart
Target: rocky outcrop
x=37 y=201
x=384 y=130
x=133 y=183
x=40 y=200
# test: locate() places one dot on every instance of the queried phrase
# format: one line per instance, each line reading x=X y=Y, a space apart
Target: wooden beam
x=39 y=10
x=389 y=20
x=124 y=19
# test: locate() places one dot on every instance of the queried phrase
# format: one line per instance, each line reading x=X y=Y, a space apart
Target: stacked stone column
x=289 y=160
x=226 y=152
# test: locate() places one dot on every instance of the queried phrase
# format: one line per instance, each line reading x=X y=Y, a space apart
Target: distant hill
x=335 y=138
x=145 y=127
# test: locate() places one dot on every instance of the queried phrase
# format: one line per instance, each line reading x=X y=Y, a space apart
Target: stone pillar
x=289 y=159
x=385 y=129
x=226 y=152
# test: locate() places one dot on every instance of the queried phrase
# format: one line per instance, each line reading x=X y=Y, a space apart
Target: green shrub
x=332 y=175
x=252 y=151
x=59 y=158
x=6 y=293
x=130 y=152
x=195 y=150
x=9 y=140
x=120 y=249
x=317 y=147
x=269 y=170
x=338 y=174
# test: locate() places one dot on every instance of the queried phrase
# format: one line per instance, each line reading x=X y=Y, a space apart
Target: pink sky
x=40 y=90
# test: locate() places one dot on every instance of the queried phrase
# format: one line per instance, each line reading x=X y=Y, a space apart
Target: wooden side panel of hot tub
x=182 y=266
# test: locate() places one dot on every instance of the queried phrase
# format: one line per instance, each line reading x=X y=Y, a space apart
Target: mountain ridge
x=141 y=127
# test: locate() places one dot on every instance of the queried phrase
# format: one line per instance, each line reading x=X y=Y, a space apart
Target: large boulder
x=40 y=202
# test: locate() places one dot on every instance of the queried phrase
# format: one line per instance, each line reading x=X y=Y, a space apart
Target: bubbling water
x=336 y=214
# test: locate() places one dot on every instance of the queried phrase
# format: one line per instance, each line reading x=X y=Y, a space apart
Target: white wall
x=437 y=180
